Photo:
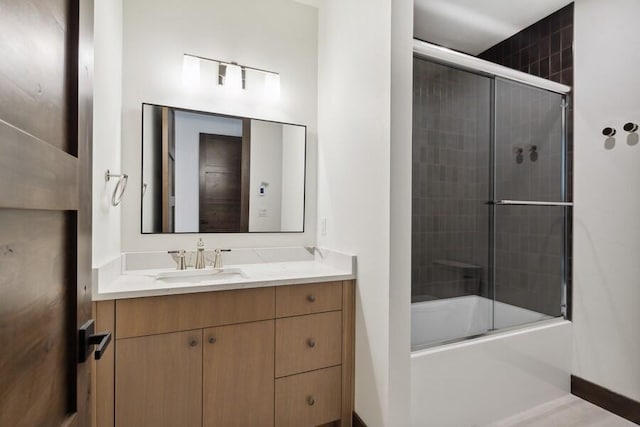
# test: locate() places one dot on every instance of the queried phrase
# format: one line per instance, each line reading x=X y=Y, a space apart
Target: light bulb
x=233 y=78
x=190 y=70
x=272 y=86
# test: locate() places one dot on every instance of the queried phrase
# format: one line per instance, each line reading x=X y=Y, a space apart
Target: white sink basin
x=205 y=275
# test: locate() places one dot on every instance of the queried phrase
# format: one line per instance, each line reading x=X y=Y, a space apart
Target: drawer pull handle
x=193 y=343
x=311 y=298
x=311 y=401
x=311 y=342
x=212 y=340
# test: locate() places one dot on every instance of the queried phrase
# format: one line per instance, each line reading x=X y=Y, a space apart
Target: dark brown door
x=168 y=170
x=224 y=193
x=45 y=210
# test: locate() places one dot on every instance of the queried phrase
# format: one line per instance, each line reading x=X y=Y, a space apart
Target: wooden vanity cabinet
x=277 y=356
x=238 y=380
x=159 y=380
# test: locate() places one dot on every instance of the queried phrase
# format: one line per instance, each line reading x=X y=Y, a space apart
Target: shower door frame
x=447 y=57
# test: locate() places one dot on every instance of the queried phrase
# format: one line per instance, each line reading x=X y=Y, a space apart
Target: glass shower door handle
x=529 y=203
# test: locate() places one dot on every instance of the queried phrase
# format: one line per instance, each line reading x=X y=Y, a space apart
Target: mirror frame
x=229 y=116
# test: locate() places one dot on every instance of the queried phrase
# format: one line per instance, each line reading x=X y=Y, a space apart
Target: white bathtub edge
x=483 y=380
x=517 y=330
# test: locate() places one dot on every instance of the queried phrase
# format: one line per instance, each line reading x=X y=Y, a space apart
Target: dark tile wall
x=450 y=220
x=544 y=49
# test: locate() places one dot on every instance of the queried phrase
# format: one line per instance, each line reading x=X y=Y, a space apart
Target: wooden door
x=159 y=380
x=224 y=194
x=238 y=367
x=45 y=210
x=168 y=170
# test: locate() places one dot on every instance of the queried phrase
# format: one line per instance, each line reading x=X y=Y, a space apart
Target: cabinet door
x=159 y=380
x=239 y=375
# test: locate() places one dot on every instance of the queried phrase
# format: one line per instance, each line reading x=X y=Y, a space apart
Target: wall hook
x=633 y=137
x=610 y=141
x=121 y=186
x=609 y=132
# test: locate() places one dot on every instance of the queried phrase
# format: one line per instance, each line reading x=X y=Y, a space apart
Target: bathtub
x=482 y=380
x=453 y=318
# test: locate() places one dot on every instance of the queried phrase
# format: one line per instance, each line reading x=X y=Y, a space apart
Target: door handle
x=87 y=338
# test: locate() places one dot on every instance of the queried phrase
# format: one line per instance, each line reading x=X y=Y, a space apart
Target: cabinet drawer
x=156 y=315
x=309 y=399
x=306 y=299
x=304 y=343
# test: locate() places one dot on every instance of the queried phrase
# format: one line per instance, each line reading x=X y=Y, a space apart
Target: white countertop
x=324 y=266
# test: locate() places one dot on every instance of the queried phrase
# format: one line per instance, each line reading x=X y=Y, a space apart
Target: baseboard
x=357 y=421
x=606 y=399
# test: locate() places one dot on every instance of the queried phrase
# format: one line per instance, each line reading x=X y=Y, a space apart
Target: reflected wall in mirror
x=212 y=173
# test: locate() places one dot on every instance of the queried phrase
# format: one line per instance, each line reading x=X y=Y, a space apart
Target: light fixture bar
x=245 y=67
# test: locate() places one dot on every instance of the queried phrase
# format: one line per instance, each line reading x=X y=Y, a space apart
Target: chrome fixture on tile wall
x=532 y=149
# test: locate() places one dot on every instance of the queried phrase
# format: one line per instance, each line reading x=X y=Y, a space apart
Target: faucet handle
x=217 y=260
x=181 y=263
x=200 y=263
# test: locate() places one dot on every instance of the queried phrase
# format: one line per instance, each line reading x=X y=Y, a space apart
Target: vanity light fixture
x=272 y=86
x=232 y=75
x=190 y=70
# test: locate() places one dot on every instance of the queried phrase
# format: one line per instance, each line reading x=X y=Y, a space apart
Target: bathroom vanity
x=270 y=347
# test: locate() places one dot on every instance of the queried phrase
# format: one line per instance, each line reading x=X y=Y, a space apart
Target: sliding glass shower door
x=529 y=204
x=489 y=215
x=450 y=214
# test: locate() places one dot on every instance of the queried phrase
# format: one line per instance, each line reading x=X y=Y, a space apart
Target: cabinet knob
x=311 y=401
x=311 y=342
x=193 y=343
x=311 y=298
x=212 y=340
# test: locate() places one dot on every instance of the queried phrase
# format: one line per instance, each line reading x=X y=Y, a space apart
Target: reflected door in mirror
x=224 y=194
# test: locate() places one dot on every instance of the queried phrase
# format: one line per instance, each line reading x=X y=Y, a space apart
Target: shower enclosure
x=490 y=210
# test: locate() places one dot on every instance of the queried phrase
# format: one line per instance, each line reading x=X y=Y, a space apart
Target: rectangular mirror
x=213 y=173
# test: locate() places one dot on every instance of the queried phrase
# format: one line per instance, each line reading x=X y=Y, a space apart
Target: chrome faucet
x=181 y=263
x=217 y=260
x=200 y=255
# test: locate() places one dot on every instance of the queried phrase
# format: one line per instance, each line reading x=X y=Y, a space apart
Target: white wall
x=266 y=167
x=107 y=122
x=278 y=35
x=364 y=186
x=606 y=290
x=188 y=127
x=400 y=212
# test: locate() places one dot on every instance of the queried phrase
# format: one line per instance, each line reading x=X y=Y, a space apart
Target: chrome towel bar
x=530 y=203
x=121 y=186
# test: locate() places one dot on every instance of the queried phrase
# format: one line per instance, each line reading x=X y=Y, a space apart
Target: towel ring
x=121 y=186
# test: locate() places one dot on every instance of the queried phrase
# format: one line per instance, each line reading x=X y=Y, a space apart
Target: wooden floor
x=568 y=411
